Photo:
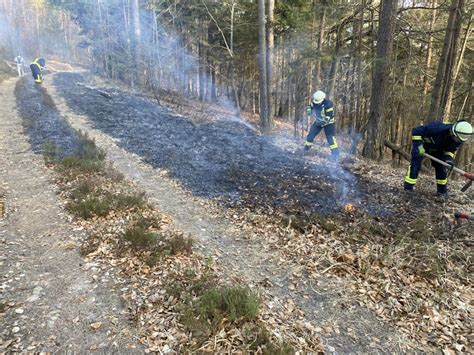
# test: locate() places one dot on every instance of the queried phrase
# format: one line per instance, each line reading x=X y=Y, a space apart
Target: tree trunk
x=373 y=147
x=232 y=61
x=269 y=58
x=334 y=66
x=262 y=67
x=317 y=75
x=444 y=75
x=458 y=63
x=429 y=51
x=358 y=75
x=301 y=83
x=137 y=39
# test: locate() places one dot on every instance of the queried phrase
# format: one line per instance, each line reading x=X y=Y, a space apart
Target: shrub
x=124 y=201
x=204 y=315
x=87 y=202
x=259 y=340
x=49 y=152
x=89 y=157
x=140 y=237
x=82 y=190
x=178 y=243
x=92 y=205
x=232 y=303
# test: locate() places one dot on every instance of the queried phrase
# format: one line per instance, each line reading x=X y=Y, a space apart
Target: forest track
x=51 y=299
x=252 y=261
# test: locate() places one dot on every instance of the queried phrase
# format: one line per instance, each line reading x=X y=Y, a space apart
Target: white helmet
x=318 y=97
x=462 y=131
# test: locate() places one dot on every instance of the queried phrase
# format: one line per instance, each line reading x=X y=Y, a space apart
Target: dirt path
x=52 y=299
x=354 y=329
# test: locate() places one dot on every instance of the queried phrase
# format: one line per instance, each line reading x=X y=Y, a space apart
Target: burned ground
x=223 y=159
x=45 y=127
x=229 y=161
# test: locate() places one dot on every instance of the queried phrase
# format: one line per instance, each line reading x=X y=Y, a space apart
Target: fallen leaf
x=96 y=325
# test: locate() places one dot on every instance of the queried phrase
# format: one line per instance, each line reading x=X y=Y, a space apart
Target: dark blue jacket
x=324 y=112
x=436 y=138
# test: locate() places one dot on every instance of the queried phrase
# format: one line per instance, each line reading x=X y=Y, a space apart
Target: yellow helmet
x=462 y=131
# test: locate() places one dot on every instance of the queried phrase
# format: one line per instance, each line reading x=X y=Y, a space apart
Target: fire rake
x=469 y=176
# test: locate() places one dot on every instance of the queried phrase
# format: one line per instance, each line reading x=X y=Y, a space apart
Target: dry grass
x=413 y=274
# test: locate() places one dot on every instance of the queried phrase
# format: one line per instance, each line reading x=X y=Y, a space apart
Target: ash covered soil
x=228 y=160
x=225 y=159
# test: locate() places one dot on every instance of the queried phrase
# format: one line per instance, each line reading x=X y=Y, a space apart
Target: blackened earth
x=223 y=159
x=45 y=127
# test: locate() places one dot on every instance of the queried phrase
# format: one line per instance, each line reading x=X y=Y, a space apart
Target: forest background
x=388 y=65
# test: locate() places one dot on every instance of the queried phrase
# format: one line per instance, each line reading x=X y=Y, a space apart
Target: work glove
x=421 y=150
x=309 y=110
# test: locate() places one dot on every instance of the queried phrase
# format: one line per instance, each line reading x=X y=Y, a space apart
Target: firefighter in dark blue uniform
x=440 y=140
x=37 y=67
x=322 y=110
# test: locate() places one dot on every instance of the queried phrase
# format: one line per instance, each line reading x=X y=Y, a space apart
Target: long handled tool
x=469 y=176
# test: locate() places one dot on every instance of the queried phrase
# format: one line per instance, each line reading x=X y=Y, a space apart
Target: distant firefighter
x=322 y=110
x=37 y=67
x=20 y=65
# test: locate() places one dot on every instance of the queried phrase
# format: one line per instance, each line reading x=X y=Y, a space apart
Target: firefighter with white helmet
x=20 y=65
x=440 y=140
x=322 y=110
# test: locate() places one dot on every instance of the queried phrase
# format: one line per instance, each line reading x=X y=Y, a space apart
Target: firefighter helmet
x=318 y=97
x=462 y=131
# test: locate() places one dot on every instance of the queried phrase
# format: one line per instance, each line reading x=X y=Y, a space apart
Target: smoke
x=34 y=29
x=8 y=37
x=175 y=64
x=346 y=182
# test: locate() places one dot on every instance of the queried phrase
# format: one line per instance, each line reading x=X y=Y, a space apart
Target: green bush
x=89 y=157
x=124 y=201
x=140 y=237
x=82 y=190
x=231 y=303
x=205 y=315
x=81 y=164
x=91 y=206
x=86 y=202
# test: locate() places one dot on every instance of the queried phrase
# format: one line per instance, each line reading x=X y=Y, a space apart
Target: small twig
x=312 y=288
x=329 y=268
